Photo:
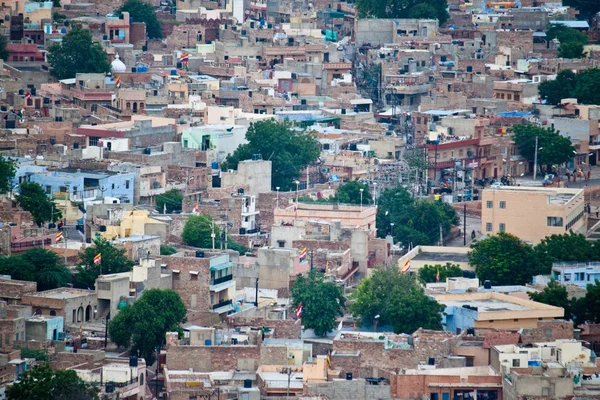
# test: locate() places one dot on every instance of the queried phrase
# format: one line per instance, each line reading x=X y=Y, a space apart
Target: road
x=473 y=224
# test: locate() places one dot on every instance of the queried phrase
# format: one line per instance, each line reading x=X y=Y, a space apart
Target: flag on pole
x=329 y=359
x=118 y=81
x=184 y=57
x=27 y=96
x=405 y=267
x=303 y=254
x=437 y=275
x=196 y=208
x=59 y=236
x=98 y=258
x=299 y=310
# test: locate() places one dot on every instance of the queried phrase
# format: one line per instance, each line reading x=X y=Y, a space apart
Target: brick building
x=76 y=306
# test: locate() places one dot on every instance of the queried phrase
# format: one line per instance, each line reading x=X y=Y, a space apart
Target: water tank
x=487 y=284
x=21 y=92
x=110 y=387
x=102 y=228
x=147 y=150
x=214 y=165
x=241 y=191
x=431 y=361
x=133 y=361
x=247 y=383
x=303 y=102
x=208 y=342
x=348 y=376
x=199 y=253
x=76 y=145
x=173 y=72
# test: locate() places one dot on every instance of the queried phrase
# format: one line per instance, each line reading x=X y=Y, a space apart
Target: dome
x=117 y=65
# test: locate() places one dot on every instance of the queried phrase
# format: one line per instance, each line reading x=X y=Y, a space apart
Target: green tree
x=565 y=34
x=33 y=198
x=171 y=201
x=587 y=90
x=403 y=9
x=144 y=324
x=349 y=193
x=3 y=49
x=504 y=260
x=43 y=383
x=587 y=9
x=571 y=50
x=553 y=148
x=167 y=250
x=289 y=150
x=76 y=53
x=570 y=247
x=7 y=171
x=197 y=232
x=322 y=302
x=587 y=309
x=389 y=297
x=142 y=11
x=38 y=265
x=429 y=273
x=556 y=295
x=563 y=87
x=113 y=260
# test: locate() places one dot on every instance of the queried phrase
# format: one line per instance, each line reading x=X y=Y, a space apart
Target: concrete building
x=254 y=173
x=43 y=327
x=433 y=255
x=492 y=310
x=532 y=213
x=143 y=131
x=223 y=139
x=378 y=32
x=580 y=274
x=76 y=306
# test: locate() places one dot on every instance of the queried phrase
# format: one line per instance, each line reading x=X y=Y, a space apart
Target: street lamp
x=297 y=182
x=277 y=188
x=361 y=197
x=106 y=330
x=392 y=229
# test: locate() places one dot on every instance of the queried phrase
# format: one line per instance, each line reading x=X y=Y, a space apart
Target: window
x=503 y=204
x=113 y=186
x=469 y=360
x=48 y=189
x=433 y=396
x=52 y=313
x=74 y=315
x=516 y=362
x=94 y=140
x=502 y=227
x=126 y=184
x=281 y=243
x=488 y=226
x=554 y=221
x=460 y=152
x=489 y=204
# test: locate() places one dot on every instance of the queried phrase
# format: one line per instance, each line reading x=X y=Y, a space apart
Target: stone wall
x=213 y=358
x=282 y=328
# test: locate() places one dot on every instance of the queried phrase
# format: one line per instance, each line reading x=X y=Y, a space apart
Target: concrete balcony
x=220 y=284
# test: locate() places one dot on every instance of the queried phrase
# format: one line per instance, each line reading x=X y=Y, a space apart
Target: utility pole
x=441 y=236
x=66 y=236
x=311 y=254
x=535 y=159
x=465 y=223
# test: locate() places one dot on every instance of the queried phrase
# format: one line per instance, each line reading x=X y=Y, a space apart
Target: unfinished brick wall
x=282 y=328
x=213 y=358
x=548 y=331
x=193 y=289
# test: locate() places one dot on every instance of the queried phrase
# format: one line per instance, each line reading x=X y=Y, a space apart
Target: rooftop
x=64 y=293
x=555 y=195
x=441 y=257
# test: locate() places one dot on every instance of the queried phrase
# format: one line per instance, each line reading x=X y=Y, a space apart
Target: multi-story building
x=532 y=213
x=580 y=274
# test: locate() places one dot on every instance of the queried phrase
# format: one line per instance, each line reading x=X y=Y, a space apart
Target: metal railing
x=221 y=304
x=222 y=279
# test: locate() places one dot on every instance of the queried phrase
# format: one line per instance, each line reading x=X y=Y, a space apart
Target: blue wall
x=458 y=317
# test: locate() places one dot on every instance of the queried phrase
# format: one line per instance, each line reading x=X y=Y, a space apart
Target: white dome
x=117 y=65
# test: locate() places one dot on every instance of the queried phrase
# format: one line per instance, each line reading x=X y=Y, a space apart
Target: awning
x=222 y=310
x=194 y=272
x=176 y=271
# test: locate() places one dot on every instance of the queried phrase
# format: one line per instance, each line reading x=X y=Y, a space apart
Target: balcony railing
x=221 y=304
x=222 y=279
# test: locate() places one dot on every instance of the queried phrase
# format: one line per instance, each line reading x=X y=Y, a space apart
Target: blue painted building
x=580 y=274
x=87 y=185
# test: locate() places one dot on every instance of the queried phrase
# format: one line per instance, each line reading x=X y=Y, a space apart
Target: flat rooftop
x=555 y=195
x=63 y=293
x=488 y=305
x=445 y=257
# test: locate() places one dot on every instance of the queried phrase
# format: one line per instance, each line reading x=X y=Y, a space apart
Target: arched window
x=128 y=106
x=38 y=311
x=80 y=314
x=53 y=313
x=135 y=106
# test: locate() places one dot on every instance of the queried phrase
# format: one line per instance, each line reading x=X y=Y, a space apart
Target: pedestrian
x=597 y=211
x=568 y=176
x=473 y=235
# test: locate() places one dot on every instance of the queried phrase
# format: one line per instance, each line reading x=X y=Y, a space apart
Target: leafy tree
x=38 y=265
x=555 y=148
x=403 y=9
x=288 y=149
x=7 y=171
x=197 y=232
x=565 y=34
x=416 y=222
x=398 y=301
x=33 y=198
x=504 y=260
x=322 y=302
x=43 y=383
x=167 y=250
x=571 y=50
x=568 y=247
x=77 y=54
x=170 y=200
x=144 y=324
x=560 y=88
x=142 y=11
x=429 y=273
x=587 y=309
x=3 y=50
x=586 y=8
x=587 y=90
x=349 y=193
x=113 y=261
x=556 y=295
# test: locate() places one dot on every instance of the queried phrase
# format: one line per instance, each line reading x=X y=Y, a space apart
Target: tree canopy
x=586 y=8
x=556 y=295
x=429 y=273
x=76 y=53
x=197 y=232
x=504 y=259
x=571 y=40
x=43 y=383
x=553 y=148
x=34 y=199
x=171 y=201
x=585 y=87
x=322 y=302
x=142 y=11
x=435 y=9
x=7 y=172
x=587 y=309
x=113 y=261
x=415 y=221
x=288 y=149
x=571 y=50
x=398 y=300
x=38 y=265
x=349 y=193
x=144 y=324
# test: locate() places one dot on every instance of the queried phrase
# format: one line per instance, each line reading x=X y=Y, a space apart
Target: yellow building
x=532 y=213
x=135 y=222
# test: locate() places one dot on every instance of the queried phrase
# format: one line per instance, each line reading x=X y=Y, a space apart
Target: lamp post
x=361 y=197
x=297 y=189
x=106 y=330
x=277 y=188
x=535 y=158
